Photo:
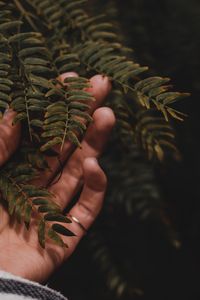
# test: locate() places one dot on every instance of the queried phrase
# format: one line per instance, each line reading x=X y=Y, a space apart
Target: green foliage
x=146 y=128
x=62 y=117
x=24 y=199
x=115 y=280
x=39 y=40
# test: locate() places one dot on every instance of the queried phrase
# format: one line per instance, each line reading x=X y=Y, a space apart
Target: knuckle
x=85 y=210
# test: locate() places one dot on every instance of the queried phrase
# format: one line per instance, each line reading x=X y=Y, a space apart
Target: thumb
x=9 y=136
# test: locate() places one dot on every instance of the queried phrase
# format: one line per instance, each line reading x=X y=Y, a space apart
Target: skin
x=21 y=254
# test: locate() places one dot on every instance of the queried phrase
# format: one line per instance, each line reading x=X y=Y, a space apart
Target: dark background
x=165 y=35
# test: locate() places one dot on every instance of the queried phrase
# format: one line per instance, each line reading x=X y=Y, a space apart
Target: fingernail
x=98 y=77
x=70 y=74
x=6 y=111
x=105 y=78
x=67 y=75
x=93 y=158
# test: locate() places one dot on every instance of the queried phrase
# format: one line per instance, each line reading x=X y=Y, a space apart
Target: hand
x=20 y=251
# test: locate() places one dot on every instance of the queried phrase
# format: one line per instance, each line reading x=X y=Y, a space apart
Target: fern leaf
x=62 y=118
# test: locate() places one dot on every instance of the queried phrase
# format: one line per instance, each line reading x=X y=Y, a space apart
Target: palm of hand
x=21 y=253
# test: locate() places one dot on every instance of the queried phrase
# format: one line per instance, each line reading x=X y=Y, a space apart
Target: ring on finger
x=77 y=222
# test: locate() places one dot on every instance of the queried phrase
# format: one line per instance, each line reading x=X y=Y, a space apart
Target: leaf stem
x=24 y=13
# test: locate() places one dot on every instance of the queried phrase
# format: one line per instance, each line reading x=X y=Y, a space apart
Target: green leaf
x=37 y=69
x=62 y=230
x=32 y=42
x=55 y=92
x=36 y=61
x=50 y=144
x=53 y=132
x=19 y=208
x=55 y=118
x=11 y=198
x=6 y=81
x=68 y=67
x=5 y=57
x=58 y=124
x=73 y=138
x=4 y=97
x=10 y=25
x=5 y=88
x=175 y=114
x=78 y=105
x=81 y=114
x=36 y=123
x=19 y=117
x=48 y=208
x=3 y=73
x=74 y=123
x=3 y=104
x=40 y=201
x=27 y=215
x=79 y=86
x=57 y=218
x=80 y=80
x=25 y=178
x=22 y=36
x=34 y=191
x=65 y=57
x=56 y=238
x=27 y=52
x=40 y=81
x=41 y=233
x=5 y=67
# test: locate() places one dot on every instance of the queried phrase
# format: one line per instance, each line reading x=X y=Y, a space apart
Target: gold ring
x=78 y=222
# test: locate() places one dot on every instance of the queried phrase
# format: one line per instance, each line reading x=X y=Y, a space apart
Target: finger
x=100 y=87
x=90 y=202
x=9 y=136
x=92 y=146
x=63 y=76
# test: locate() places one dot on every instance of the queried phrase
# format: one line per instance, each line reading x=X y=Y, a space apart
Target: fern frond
x=116 y=282
x=145 y=128
x=66 y=118
x=34 y=69
x=156 y=135
x=6 y=55
x=154 y=90
x=65 y=60
x=141 y=200
x=24 y=198
x=5 y=65
x=101 y=51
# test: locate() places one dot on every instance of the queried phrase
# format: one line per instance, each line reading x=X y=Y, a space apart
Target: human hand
x=20 y=251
